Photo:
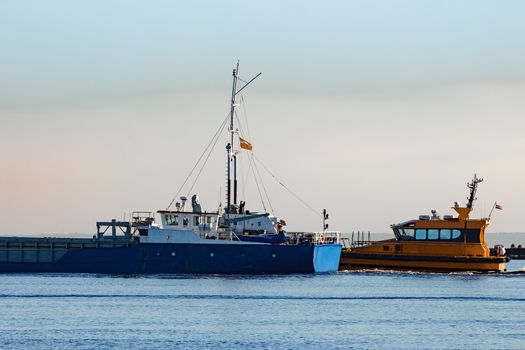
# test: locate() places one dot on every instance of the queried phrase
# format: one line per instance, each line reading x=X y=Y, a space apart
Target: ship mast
x=230 y=149
x=230 y=146
x=473 y=186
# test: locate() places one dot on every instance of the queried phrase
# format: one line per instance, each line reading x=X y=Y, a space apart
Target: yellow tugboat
x=432 y=243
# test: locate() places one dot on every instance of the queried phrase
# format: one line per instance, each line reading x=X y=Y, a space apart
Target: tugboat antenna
x=473 y=186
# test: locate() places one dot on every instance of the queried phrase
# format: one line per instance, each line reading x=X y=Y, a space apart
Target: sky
x=378 y=111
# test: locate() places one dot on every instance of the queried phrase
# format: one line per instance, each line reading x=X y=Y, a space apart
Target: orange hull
x=437 y=264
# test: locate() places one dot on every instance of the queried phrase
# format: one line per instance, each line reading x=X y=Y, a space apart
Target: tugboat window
x=185 y=221
x=421 y=234
x=456 y=233
x=407 y=233
x=196 y=221
x=433 y=234
x=445 y=234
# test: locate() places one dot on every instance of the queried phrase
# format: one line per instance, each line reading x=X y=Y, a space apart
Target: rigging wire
x=239 y=124
x=257 y=184
x=240 y=169
x=245 y=180
x=283 y=185
x=262 y=184
x=256 y=173
x=198 y=161
x=205 y=161
x=245 y=116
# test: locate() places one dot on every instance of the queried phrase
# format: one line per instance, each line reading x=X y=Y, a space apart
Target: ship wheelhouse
x=203 y=225
x=436 y=231
x=181 y=220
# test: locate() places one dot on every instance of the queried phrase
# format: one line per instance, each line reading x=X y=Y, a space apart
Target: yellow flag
x=245 y=144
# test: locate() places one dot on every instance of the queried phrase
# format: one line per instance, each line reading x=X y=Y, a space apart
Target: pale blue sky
x=57 y=50
x=353 y=92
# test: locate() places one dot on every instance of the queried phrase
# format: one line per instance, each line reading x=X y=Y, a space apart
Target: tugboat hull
x=359 y=261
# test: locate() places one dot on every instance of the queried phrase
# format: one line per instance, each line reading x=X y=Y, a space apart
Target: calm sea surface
x=348 y=310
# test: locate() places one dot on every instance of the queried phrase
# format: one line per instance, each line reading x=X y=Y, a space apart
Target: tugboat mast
x=230 y=149
x=473 y=186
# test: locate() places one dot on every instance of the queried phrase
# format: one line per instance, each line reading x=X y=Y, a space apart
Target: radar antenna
x=473 y=186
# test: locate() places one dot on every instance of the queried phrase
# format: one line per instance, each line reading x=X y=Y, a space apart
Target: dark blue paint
x=191 y=258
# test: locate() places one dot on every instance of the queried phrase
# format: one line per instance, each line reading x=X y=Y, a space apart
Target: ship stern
x=326 y=257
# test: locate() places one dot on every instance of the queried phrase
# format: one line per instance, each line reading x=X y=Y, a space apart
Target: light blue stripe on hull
x=326 y=257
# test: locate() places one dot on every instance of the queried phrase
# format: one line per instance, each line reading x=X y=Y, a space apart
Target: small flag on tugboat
x=245 y=144
x=495 y=206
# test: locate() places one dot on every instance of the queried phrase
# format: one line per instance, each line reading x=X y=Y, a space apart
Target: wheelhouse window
x=406 y=233
x=433 y=234
x=196 y=220
x=172 y=220
x=421 y=233
x=185 y=221
x=445 y=234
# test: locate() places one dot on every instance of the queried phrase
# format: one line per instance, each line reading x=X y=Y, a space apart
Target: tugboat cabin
x=432 y=242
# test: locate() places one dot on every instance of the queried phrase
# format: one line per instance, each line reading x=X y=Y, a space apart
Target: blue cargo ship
x=230 y=240
x=185 y=254
x=182 y=242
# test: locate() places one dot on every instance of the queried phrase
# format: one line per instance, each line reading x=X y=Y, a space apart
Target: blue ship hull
x=153 y=258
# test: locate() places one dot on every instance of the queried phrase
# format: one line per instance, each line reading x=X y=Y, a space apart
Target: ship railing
x=140 y=221
x=356 y=239
x=142 y=218
x=359 y=239
x=326 y=237
x=118 y=229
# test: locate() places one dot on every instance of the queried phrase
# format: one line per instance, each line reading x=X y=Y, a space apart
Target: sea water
x=345 y=310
